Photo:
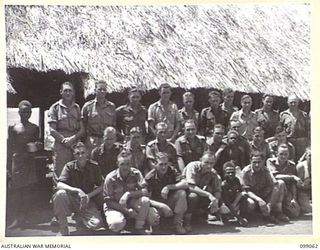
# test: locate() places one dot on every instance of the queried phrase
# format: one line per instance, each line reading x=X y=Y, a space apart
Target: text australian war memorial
x=158 y=120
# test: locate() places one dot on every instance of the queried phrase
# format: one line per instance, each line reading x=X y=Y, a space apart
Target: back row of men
x=179 y=169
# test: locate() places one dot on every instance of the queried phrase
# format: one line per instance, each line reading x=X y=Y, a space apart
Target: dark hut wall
x=42 y=89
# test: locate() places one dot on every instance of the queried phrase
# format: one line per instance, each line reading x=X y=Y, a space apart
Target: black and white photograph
x=171 y=120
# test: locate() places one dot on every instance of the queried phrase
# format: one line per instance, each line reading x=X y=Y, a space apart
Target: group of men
x=113 y=166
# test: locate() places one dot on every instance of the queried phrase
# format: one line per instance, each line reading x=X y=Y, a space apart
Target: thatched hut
x=251 y=48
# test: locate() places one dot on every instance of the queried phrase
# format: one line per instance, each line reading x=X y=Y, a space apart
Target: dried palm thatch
x=250 y=48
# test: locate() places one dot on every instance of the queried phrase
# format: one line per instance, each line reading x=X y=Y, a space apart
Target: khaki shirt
x=67 y=120
x=183 y=116
x=153 y=148
x=295 y=127
x=248 y=123
x=114 y=186
x=268 y=121
x=97 y=117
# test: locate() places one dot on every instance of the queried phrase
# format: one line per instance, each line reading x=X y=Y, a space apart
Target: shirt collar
x=119 y=176
x=105 y=104
x=63 y=105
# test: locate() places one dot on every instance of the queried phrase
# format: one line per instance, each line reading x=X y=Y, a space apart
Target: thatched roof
x=250 y=48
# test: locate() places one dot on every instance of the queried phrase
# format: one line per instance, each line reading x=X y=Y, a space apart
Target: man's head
x=162 y=163
x=233 y=137
x=190 y=128
x=100 y=89
x=165 y=92
x=235 y=125
x=267 y=101
x=228 y=96
x=256 y=161
x=135 y=137
x=25 y=110
x=214 y=99
x=134 y=96
x=124 y=163
x=218 y=132
x=258 y=135
x=67 y=91
x=293 y=102
x=246 y=102
x=208 y=160
x=80 y=154
x=161 y=131
x=283 y=153
x=109 y=137
x=281 y=135
x=188 y=100
x=229 y=170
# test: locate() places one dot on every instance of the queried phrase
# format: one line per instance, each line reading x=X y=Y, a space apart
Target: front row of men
x=125 y=196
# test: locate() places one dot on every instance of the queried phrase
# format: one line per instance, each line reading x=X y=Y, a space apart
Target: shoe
x=180 y=229
x=271 y=219
x=282 y=217
x=212 y=217
x=242 y=221
x=54 y=222
x=141 y=231
x=64 y=231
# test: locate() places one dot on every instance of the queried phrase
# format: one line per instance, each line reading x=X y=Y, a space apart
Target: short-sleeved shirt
x=153 y=148
x=247 y=123
x=264 y=149
x=97 y=117
x=268 y=121
x=190 y=151
x=183 y=116
x=209 y=117
x=128 y=118
x=157 y=183
x=169 y=115
x=193 y=175
x=107 y=159
x=273 y=146
x=257 y=181
x=115 y=186
x=229 y=110
x=295 y=127
x=85 y=179
x=288 y=168
x=138 y=156
x=67 y=119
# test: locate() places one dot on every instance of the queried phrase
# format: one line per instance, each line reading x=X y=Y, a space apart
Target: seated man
x=284 y=169
x=106 y=154
x=259 y=144
x=189 y=146
x=232 y=192
x=263 y=190
x=168 y=194
x=80 y=181
x=204 y=186
x=304 y=191
x=161 y=144
x=125 y=196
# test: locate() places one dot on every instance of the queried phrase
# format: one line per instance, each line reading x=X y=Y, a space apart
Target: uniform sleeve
x=52 y=114
x=149 y=153
x=108 y=189
x=98 y=176
x=178 y=148
x=151 y=113
x=189 y=173
x=65 y=175
x=272 y=168
x=141 y=181
x=84 y=114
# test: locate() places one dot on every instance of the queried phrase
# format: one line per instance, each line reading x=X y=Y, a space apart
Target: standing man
x=106 y=154
x=227 y=105
x=190 y=146
x=297 y=125
x=213 y=114
x=188 y=112
x=97 y=114
x=65 y=126
x=23 y=140
x=267 y=118
x=78 y=190
x=133 y=114
x=247 y=118
x=204 y=187
x=165 y=111
x=125 y=195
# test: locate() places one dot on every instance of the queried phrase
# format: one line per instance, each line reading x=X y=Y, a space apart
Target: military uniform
x=268 y=121
x=190 y=151
x=184 y=116
x=139 y=160
x=248 y=123
x=286 y=170
x=128 y=118
x=158 y=113
x=96 y=118
x=210 y=117
x=263 y=149
x=273 y=146
x=304 y=192
x=67 y=120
